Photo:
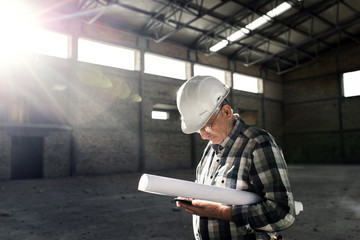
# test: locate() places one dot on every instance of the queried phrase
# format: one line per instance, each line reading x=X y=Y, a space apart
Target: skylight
x=258 y=22
x=219 y=46
x=279 y=10
x=252 y=26
x=239 y=34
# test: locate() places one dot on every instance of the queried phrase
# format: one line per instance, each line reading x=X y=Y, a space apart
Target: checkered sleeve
x=269 y=179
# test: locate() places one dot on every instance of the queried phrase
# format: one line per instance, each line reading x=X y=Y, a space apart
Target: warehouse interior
x=79 y=97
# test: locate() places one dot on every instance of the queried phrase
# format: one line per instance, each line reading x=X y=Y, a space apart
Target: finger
x=189 y=211
x=184 y=205
x=188 y=208
x=197 y=203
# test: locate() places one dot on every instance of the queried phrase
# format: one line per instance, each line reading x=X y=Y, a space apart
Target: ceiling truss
x=289 y=42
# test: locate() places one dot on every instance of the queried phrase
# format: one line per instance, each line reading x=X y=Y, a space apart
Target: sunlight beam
x=16 y=23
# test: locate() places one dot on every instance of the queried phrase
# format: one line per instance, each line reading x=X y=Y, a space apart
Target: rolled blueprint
x=175 y=187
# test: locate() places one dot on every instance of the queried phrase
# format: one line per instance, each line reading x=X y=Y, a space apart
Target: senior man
x=237 y=156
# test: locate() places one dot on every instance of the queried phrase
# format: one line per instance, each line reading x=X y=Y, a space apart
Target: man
x=237 y=156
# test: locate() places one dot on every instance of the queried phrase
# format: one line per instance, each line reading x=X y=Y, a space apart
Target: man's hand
x=208 y=209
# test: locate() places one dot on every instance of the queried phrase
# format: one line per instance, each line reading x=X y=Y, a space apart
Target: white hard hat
x=197 y=99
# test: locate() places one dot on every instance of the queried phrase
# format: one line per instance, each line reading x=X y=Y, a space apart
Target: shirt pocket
x=226 y=178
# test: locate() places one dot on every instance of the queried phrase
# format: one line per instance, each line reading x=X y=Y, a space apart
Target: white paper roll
x=175 y=187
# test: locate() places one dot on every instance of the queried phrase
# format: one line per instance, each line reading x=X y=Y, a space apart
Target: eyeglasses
x=208 y=127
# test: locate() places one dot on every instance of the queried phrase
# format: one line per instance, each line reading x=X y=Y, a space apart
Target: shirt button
x=211 y=177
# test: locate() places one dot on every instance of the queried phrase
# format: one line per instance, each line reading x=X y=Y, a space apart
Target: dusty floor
x=110 y=207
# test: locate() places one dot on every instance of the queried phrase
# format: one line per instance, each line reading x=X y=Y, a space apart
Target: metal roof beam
x=310 y=40
x=272 y=37
x=328 y=33
x=263 y=38
x=227 y=21
x=310 y=13
x=179 y=24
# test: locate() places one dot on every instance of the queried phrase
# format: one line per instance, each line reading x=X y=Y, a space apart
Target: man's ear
x=228 y=111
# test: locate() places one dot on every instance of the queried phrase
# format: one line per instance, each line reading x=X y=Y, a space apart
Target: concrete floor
x=110 y=207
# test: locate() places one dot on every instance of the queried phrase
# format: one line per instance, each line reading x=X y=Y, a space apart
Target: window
x=106 y=54
x=351 y=84
x=160 y=115
x=204 y=70
x=247 y=83
x=164 y=66
x=163 y=111
x=47 y=43
x=38 y=41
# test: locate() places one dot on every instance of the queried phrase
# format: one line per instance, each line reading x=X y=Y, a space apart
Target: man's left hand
x=208 y=209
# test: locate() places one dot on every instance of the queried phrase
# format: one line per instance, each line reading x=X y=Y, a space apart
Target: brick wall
x=321 y=126
x=109 y=112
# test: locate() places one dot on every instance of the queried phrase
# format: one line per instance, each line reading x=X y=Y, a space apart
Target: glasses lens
x=208 y=126
x=208 y=129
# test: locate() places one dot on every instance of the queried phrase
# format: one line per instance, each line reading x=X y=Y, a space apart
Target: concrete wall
x=321 y=126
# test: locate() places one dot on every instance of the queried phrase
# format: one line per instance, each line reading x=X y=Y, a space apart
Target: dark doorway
x=27 y=157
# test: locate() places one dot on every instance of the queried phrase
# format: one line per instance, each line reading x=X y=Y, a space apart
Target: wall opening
x=27 y=157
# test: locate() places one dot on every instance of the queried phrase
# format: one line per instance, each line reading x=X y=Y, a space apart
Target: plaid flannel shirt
x=248 y=159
